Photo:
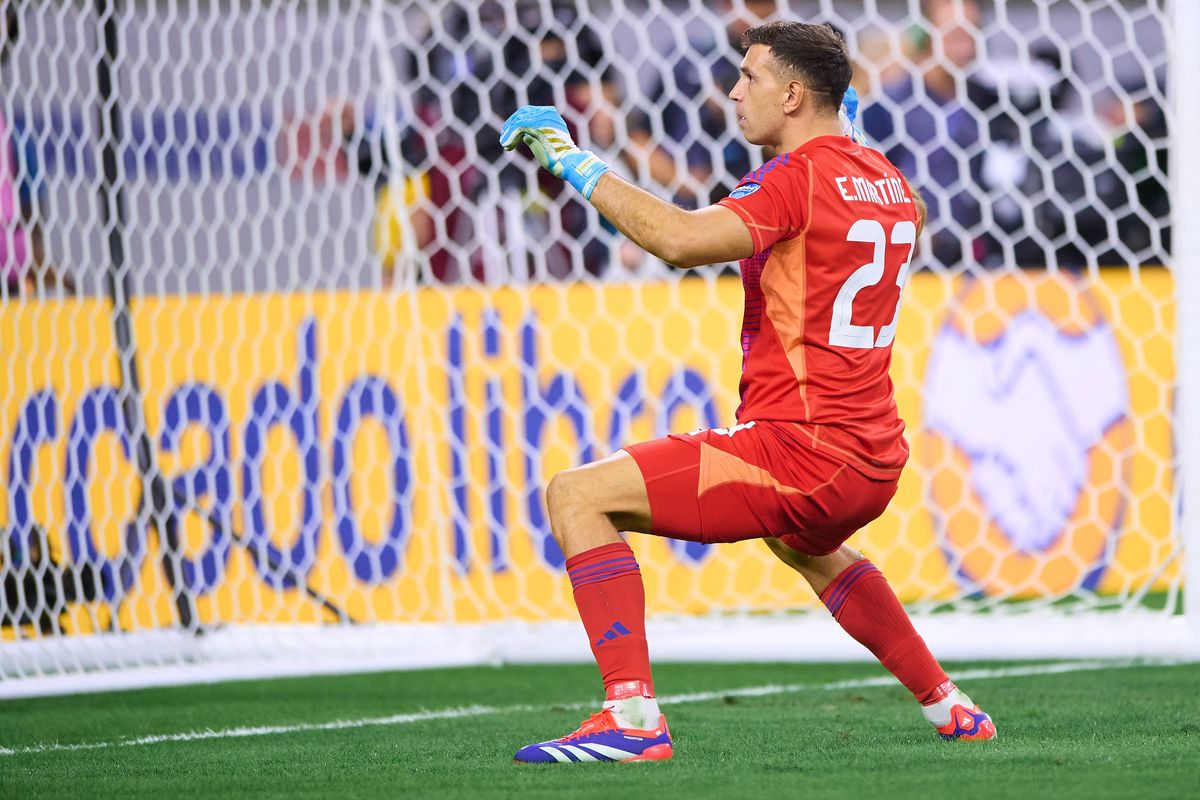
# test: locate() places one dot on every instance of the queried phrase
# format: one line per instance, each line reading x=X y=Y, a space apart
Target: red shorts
x=761 y=479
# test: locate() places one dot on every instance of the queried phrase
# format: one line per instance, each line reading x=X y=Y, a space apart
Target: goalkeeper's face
x=759 y=97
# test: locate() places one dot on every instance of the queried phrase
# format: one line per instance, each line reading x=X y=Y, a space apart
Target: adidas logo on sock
x=615 y=630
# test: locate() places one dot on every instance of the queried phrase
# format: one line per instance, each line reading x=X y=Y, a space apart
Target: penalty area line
x=1055 y=668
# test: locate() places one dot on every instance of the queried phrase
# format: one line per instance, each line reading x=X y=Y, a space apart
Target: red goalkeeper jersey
x=834 y=229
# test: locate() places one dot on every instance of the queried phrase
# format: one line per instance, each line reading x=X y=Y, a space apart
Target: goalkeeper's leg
x=588 y=506
x=862 y=602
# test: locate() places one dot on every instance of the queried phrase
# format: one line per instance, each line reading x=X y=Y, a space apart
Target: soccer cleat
x=968 y=724
x=600 y=738
x=956 y=716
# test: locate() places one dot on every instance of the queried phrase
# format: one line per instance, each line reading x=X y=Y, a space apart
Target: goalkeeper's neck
x=798 y=130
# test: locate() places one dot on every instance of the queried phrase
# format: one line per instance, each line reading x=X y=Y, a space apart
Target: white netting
x=289 y=346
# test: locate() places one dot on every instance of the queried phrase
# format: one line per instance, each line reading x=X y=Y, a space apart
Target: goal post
x=365 y=337
x=1185 y=106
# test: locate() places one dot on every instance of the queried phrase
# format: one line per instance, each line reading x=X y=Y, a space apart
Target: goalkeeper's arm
x=682 y=238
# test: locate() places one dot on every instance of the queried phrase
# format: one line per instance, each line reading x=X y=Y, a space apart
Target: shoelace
x=600 y=721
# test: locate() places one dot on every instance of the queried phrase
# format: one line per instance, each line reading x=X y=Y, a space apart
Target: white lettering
x=841 y=184
x=874 y=193
x=881 y=186
x=860 y=188
x=885 y=191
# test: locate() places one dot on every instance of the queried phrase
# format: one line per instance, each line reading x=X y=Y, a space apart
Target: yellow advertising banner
x=383 y=455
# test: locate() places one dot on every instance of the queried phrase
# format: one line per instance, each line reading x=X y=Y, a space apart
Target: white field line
x=1058 y=668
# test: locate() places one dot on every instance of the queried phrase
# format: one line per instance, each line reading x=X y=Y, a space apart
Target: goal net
x=289 y=348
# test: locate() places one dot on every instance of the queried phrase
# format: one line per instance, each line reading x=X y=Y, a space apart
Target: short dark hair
x=816 y=53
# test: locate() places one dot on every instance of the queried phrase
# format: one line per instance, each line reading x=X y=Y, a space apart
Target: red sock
x=863 y=603
x=612 y=604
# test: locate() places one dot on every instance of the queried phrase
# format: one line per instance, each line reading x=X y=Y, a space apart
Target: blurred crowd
x=1021 y=162
x=24 y=266
x=1011 y=175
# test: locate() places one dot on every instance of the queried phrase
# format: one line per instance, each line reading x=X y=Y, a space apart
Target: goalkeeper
x=825 y=232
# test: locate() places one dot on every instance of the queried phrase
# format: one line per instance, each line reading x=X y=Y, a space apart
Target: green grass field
x=747 y=730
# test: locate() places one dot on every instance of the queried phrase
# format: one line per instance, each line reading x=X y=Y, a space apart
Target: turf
x=1100 y=733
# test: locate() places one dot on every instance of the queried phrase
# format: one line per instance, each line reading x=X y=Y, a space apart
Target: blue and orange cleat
x=968 y=724
x=600 y=738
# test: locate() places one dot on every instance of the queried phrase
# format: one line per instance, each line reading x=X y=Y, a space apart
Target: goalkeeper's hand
x=543 y=130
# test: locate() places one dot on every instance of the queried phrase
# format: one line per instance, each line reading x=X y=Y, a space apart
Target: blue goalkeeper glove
x=848 y=113
x=543 y=130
